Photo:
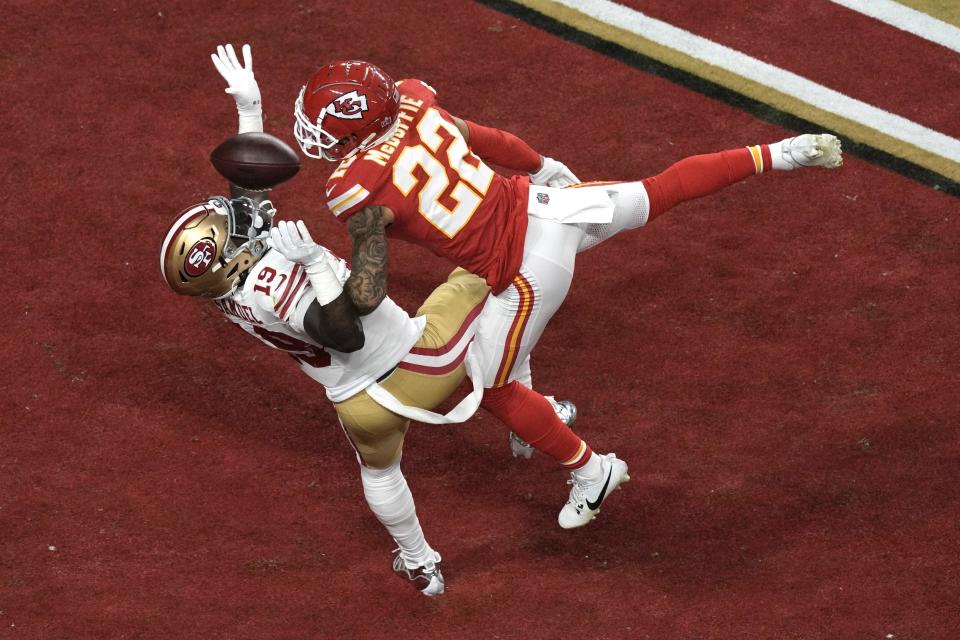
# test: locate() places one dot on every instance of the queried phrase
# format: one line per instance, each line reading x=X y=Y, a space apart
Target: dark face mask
x=248 y=223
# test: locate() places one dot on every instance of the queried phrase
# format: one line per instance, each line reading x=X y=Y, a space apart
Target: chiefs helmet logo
x=199 y=257
x=349 y=106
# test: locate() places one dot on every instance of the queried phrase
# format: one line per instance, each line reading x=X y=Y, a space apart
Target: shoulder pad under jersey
x=417 y=89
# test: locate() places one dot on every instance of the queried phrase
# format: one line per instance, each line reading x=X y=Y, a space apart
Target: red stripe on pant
x=515 y=334
x=452 y=342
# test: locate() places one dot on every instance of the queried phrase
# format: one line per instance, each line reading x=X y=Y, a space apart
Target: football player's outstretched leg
x=634 y=204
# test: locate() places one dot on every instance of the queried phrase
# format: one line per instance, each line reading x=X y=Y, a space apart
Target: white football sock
x=390 y=500
x=777 y=158
x=592 y=471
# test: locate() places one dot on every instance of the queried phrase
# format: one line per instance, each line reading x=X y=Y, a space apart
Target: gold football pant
x=425 y=378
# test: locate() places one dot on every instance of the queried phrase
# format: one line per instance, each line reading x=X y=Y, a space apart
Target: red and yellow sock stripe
x=515 y=335
x=761 y=157
x=580 y=458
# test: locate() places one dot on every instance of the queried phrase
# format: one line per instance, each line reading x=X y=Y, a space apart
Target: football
x=255 y=160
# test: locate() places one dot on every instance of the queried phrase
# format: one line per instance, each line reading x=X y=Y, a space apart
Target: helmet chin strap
x=367 y=144
x=360 y=148
x=263 y=217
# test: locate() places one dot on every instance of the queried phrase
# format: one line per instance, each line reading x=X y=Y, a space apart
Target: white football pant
x=512 y=322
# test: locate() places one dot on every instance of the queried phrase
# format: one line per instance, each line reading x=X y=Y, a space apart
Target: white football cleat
x=565 y=410
x=585 y=499
x=813 y=150
x=427 y=578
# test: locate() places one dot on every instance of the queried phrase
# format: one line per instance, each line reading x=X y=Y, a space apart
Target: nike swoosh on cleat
x=593 y=506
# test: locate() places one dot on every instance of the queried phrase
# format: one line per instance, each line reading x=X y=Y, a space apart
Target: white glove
x=294 y=242
x=553 y=174
x=241 y=85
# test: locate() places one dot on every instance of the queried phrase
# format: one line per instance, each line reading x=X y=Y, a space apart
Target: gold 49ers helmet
x=212 y=245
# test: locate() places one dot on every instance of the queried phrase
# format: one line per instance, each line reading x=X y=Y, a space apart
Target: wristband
x=326 y=285
x=251 y=122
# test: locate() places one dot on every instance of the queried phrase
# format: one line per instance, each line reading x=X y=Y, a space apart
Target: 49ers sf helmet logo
x=349 y=106
x=199 y=257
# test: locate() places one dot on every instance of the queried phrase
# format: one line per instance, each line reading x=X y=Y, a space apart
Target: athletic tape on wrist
x=251 y=123
x=326 y=285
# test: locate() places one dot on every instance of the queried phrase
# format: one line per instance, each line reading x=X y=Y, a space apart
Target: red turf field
x=778 y=363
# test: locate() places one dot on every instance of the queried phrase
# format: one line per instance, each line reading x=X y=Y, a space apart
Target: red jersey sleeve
x=346 y=197
x=502 y=148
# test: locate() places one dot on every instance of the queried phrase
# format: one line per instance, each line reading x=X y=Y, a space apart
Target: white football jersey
x=272 y=303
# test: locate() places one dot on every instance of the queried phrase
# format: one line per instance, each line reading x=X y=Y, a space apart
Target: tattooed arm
x=367 y=284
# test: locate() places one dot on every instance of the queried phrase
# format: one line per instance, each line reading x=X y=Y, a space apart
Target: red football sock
x=698 y=176
x=530 y=416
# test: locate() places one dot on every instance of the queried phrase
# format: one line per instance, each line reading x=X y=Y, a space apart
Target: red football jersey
x=443 y=197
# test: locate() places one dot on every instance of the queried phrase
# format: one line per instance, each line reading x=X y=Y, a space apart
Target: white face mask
x=311 y=137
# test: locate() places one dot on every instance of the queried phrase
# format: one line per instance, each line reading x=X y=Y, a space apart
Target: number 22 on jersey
x=472 y=176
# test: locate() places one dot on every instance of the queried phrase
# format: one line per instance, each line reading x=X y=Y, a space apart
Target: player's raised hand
x=241 y=83
x=293 y=240
x=553 y=174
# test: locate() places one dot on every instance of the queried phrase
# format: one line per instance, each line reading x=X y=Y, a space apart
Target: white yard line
x=785 y=82
x=907 y=19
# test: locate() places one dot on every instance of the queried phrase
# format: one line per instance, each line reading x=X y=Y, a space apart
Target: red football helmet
x=345 y=108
